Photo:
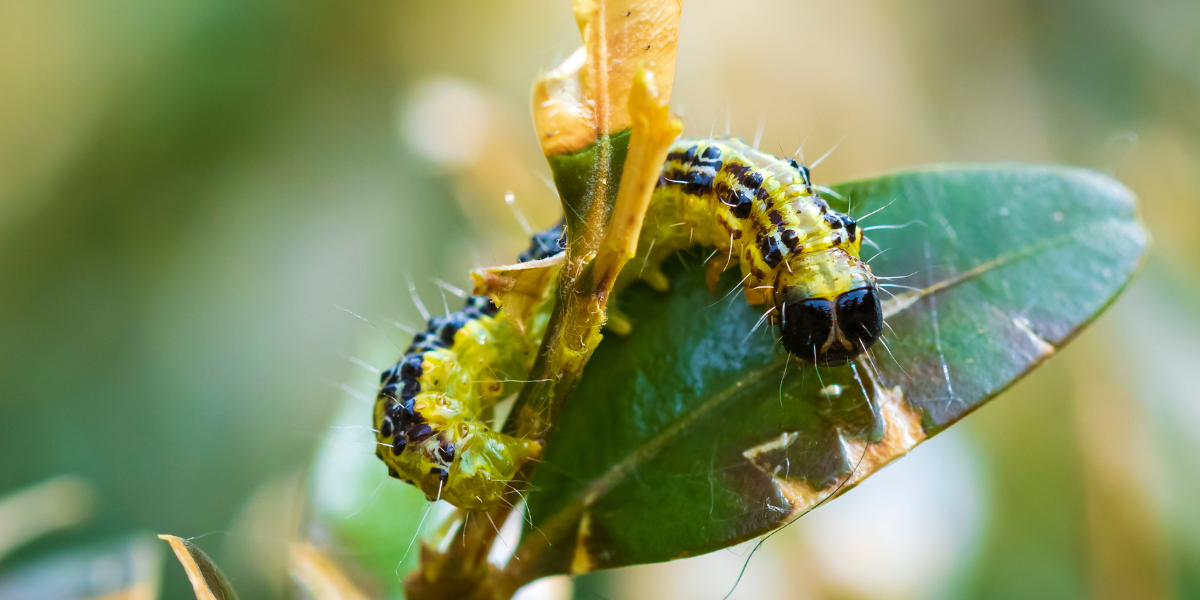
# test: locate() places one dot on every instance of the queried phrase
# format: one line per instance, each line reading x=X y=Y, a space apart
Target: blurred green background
x=189 y=191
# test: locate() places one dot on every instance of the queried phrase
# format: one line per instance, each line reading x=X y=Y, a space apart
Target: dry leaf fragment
x=207 y=581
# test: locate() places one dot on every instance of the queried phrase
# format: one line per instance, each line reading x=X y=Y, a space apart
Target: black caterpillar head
x=832 y=332
x=830 y=315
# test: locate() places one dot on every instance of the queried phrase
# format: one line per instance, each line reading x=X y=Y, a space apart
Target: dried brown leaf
x=206 y=578
x=588 y=94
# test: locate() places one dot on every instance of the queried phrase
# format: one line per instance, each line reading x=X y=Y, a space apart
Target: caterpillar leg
x=757 y=297
x=618 y=322
x=712 y=273
x=655 y=278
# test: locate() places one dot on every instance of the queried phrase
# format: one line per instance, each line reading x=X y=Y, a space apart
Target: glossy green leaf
x=695 y=433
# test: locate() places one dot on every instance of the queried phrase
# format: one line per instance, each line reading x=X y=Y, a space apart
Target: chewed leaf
x=692 y=434
x=587 y=96
x=206 y=578
x=519 y=288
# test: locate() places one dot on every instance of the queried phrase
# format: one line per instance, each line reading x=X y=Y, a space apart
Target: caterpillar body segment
x=546 y=243
x=761 y=214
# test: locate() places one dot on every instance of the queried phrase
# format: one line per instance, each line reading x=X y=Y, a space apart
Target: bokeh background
x=195 y=195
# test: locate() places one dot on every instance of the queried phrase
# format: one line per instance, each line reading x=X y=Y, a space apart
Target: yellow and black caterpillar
x=428 y=411
x=796 y=254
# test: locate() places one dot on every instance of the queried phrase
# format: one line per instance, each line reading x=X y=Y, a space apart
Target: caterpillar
x=429 y=413
x=760 y=212
x=797 y=255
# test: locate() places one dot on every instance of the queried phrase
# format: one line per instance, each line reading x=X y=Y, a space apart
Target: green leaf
x=688 y=436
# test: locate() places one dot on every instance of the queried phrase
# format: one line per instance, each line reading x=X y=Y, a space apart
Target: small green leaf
x=688 y=436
